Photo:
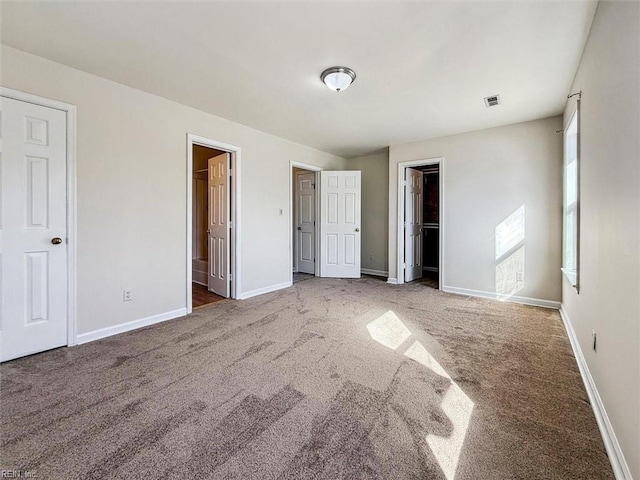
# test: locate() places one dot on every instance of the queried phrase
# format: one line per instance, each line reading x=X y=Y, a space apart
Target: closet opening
x=430 y=225
x=419 y=226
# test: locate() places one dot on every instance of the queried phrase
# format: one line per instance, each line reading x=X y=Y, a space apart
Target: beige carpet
x=329 y=379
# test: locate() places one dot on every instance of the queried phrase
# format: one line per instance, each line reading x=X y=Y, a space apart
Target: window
x=571 y=203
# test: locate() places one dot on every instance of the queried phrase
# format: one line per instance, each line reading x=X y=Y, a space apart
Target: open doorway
x=204 y=204
x=419 y=223
x=211 y=229
x=430 y=224
x=304 y=222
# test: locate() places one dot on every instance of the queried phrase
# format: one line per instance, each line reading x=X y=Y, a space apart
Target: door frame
x=235 y=253
x=402 y=166
x=293 y=164
x=71 y=175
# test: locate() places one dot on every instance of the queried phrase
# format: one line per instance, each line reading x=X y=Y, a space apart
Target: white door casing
x=413 y=224
x=306 y=222
x=33 y=216
x=340 y=224
x=218 y=231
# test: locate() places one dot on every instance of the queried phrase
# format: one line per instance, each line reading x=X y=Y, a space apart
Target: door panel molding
x=305 y=221
x=218 y=226
x=413 y=195
x=71 y=193
x=340 y=216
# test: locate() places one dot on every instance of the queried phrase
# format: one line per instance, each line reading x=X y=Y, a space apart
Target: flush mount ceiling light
x=338 y=78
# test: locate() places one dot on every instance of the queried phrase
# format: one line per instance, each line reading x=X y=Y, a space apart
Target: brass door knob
x=56 y=240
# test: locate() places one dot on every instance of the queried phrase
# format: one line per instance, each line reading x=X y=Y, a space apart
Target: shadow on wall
x=391 y=332
x=509 y=254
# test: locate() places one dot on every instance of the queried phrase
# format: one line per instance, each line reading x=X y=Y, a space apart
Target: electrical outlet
x=371 y=256
x=126 y=296
x=595 y=338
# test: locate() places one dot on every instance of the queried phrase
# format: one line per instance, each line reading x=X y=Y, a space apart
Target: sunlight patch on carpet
x=391 y=332
x=388 y=330
x=458 y=407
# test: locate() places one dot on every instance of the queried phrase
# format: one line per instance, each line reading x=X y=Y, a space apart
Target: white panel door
x=218 y=232
x=306 y=222
x=33 y=229
x=340 y=224
x=413 y=224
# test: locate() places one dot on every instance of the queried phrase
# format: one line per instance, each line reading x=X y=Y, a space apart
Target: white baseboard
x=376 y=273
x=392 y=281
x=126 y=327
x=263 y=290
x=616 y=457
x=537 y=302
x=199 y=277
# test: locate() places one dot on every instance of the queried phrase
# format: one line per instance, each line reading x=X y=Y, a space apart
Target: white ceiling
x=423 y=68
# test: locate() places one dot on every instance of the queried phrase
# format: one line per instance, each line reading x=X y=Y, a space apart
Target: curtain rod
x=579 y=94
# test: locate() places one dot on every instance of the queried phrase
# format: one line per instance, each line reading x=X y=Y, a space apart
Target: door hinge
x=230 y=224
x=230 y=277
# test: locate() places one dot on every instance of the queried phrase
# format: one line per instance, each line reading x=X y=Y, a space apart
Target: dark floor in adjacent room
x=202 y=296
x=429 y=279
x=328 y=379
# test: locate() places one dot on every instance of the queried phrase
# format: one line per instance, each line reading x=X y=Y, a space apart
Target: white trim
x=392 y=281
x=377 y=273
x=537 y=302
x=400 y=217
x=619 y=464
x=263 y=290
x=235 y=261
x=312 y=168
x=72 y=225
x=128 y=326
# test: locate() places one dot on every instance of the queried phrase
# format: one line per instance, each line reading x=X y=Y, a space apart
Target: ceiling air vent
x=492 y=101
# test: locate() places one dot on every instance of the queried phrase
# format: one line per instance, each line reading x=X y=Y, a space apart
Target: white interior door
x=306 y=222
x=413 y=224
x=33 y=229
x=218 y=230
x=340 y=224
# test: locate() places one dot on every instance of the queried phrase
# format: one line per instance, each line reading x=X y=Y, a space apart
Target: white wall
x=609 y=77
x=132 y=191
x=488 y=174
x=375 y=204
